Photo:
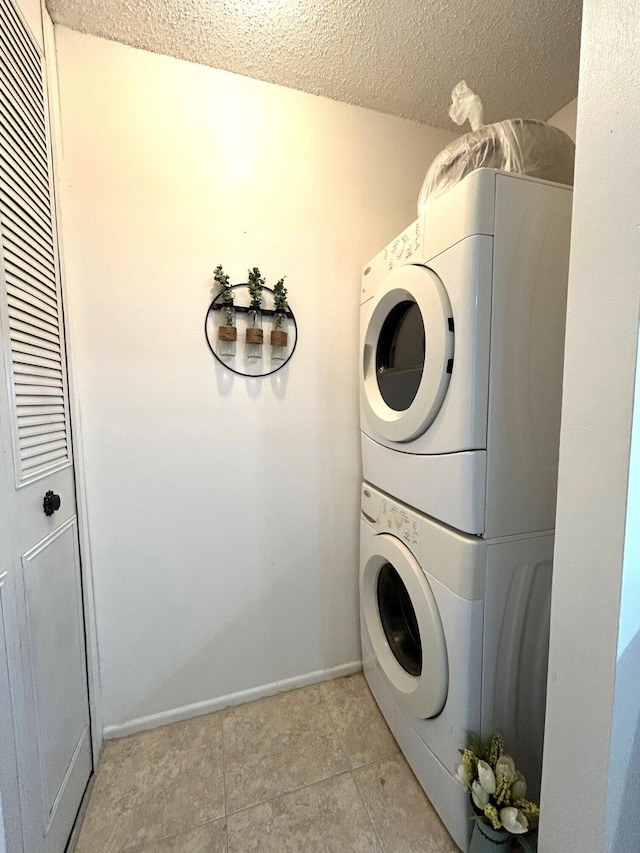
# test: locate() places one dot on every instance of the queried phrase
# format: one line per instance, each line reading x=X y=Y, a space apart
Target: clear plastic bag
x=466 y=106
x=526 y=146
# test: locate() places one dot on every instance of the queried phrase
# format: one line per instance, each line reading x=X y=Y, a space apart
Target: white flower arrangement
x=498 y=790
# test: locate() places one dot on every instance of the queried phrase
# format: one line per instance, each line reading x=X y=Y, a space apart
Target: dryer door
x=404 y=627
x=407 y=353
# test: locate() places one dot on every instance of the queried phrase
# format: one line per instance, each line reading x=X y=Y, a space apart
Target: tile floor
x=315 y=770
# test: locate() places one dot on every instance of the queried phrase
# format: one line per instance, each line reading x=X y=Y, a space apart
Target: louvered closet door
x=52 y=722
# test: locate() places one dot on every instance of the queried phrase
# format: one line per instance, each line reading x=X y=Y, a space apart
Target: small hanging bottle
x=279 y=336
x=227 y=331
x=254 y=334
x=280 y=322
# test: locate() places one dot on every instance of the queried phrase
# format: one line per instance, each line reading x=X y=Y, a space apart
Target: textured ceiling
x=398 y=56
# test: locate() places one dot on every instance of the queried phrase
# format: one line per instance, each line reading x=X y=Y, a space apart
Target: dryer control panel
x=387 y=515
x=404 y=246
x=405 y=249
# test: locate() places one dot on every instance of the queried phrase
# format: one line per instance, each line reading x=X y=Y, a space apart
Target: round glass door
x=408 y=353
x=403 y=626
x=398 y=620
x=400 y=355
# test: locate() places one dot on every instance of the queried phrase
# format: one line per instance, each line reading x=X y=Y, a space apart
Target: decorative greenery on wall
x=256 y=283
x=280 y=295
x=278 y=318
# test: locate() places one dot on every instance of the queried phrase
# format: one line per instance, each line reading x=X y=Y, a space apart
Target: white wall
x=588 y=685
x=222 y=511
x=566 y=118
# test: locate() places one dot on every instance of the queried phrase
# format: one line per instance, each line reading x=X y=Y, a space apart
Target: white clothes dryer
x=461 y=340
x=454 y=635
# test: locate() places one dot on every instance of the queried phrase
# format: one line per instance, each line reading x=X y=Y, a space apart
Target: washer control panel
x=387 y=515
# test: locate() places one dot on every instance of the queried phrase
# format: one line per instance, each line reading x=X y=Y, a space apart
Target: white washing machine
x=462 y=338
x=454 y=640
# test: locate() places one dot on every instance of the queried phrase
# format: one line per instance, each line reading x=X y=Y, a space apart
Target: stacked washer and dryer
x=462 y=336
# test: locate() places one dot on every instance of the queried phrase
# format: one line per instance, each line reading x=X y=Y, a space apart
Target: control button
x=398 y=250
x=398 y=520
x=408 y=251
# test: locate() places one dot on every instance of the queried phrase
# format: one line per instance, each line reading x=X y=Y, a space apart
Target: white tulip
x=507 y=766
x=486 y=777
x=519 y=787
x=462 y=775
x=513 y=820
x=479 y=795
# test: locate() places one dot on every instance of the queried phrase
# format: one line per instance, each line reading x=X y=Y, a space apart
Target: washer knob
x=398 y=519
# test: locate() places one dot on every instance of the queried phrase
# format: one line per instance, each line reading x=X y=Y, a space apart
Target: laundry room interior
x=219 y=514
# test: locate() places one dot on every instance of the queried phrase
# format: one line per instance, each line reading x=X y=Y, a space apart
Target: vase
x=254 y=333
x=486 y=839
x=279 y=336
x=227 y=331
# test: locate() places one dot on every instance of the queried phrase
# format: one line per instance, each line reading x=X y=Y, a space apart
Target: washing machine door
x=407 y=353
x=404 y=626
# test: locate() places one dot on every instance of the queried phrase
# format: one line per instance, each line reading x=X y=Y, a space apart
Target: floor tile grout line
x=349 y=759
x=152 y=842
x=224 y=781
x=292 y=791
x=224 y=778
x=377 y=760
x=142 y=846
x=366 y=808
x=335 y=727
x=310 y=688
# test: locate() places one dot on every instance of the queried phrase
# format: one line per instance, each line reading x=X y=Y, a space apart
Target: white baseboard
x=174 y=715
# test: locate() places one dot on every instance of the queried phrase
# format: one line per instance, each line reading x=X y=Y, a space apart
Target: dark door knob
x=51 y=503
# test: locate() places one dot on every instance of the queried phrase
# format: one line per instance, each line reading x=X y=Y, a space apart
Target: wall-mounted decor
x=226 y=318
